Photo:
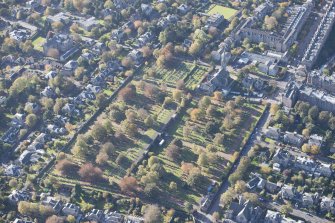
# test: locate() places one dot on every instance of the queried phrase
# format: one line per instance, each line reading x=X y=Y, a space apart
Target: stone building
x=282 y=40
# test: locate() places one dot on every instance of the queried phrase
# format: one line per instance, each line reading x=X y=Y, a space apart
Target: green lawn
x=228 y=13
x=38 y=43
x=191 y=73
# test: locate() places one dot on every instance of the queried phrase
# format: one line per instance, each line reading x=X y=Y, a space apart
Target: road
x=300 y=214
x=215 y=206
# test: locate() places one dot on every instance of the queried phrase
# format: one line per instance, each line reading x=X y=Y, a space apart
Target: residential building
x=289 y=193
x=52 y=202
x=327 y=205
x=95 y=215
x=71 y=209
x=293 y=138
x=273 y=133
x=282 y=157
x=18 y=195
x=61 y=42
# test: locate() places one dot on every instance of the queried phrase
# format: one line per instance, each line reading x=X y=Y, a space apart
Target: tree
x=324 y=117
x=188 y=207
x=54 y=53
x=127 y=94
x=218 y=139
x=186 y=167
x=176 y=95
x=9 y=45
x=99 y=132
x=90 y=173
x=147 y=52
x=227 y=197
x=152 y=214
x=27 y=46
x=286 y=209
x=108 y=148
x=57 y=25
x=195 y=178
x=306 y=132
x=54 y=219
x=270 y=22
x=315 y=149
x=274 y=108
x=102 y=158
x=216 y=216
x=31 y=120
x=218 y=96
x=240 y=186
x=150 y=190
x=81 y=147
x=129 y=128
x=313 y=112
x=128 y=184
x=180 y=84
x=195 y=114
x=331 y=123
x=211 y=111
x=153 y=160
x=149 y=121
x=70 y=219
x=204 y=103
x=35 y=210
x=65 y=167
x=173 y=186
x=202 y=160
x=121 y=159
x=173 y=152
x=195 y=48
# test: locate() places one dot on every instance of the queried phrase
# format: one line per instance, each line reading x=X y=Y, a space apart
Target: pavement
x=308 y=217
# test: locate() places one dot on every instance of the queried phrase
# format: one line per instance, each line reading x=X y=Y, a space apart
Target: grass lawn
x=197 y=139
x=192 y=74
x=38 y=43
x=227 y=13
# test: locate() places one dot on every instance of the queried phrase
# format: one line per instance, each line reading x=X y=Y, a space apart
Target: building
x=289 y=193
x=293 y=138
x=88 y=24
x=318 y=80
x=61 y=42
x=56 y=205
x=291 y=94
x=215 y=20
x=12 y=170
x=309 y=200
x=317 y=97
x=324 y=169
x=18 y=195
x=320 y=36
x=95 y=215
x=305 y=163
x=273 y=133
x=327 y=205
x=217 y=81
x=315 y=140
x=283 y=158
x=245 y=212
x=71 y=209
x=113 y=217
x=282 y=40
x=276 y=217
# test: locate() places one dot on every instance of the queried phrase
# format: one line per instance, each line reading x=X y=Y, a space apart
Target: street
x=300 y=214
